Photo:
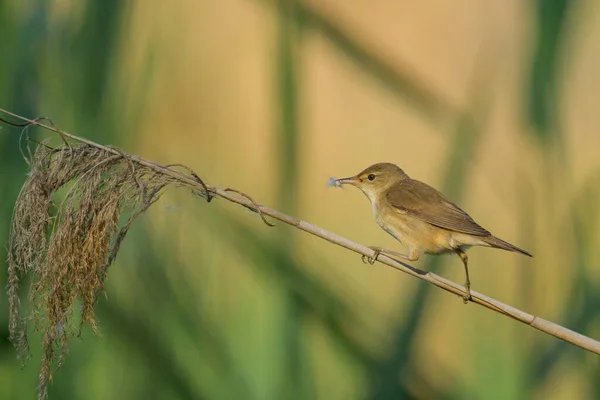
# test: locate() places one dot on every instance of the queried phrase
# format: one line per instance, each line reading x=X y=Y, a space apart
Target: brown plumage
x=420 y=217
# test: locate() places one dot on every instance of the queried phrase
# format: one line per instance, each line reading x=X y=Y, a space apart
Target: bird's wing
x=420 y=200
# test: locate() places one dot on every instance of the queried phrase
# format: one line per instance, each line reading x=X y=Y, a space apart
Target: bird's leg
x=413 y=256
x=465 y=260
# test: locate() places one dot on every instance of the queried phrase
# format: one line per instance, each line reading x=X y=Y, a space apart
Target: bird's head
x=375 y=180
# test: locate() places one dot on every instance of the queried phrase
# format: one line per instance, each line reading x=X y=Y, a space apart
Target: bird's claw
x=371 y=259
x=467 y=296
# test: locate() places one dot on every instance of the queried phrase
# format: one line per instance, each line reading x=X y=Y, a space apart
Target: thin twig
x=209 y=195
x=255 y=206
x=541 y=324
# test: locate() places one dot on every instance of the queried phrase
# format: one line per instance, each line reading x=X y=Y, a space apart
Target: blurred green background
x=494 y=103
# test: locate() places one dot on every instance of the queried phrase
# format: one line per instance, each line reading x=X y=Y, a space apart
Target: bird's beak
x=348 y=181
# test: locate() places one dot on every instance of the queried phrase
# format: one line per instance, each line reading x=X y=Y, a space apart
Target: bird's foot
x=467 y=296
x=371 y=259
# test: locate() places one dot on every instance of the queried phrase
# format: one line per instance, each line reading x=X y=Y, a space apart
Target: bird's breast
x=412 y=232
x=391 y=221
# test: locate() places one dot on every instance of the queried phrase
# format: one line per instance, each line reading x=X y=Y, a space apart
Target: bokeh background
x=493 y=102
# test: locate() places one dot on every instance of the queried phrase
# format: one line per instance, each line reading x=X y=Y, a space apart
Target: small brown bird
x=420 y=217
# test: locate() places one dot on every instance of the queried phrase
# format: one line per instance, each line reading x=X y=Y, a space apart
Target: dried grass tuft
x=65 y=242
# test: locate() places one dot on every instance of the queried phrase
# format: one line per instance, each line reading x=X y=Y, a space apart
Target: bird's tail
x=501 y=244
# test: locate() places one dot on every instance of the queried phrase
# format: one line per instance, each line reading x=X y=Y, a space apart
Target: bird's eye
x=371 y=177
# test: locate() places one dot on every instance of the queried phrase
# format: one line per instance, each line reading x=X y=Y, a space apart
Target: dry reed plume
x=75 y=209
x=70 y=218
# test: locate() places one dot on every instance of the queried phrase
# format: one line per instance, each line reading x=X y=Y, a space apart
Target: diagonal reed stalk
x=86 y=229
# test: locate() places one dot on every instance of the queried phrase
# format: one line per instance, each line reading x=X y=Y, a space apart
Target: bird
x=420 y=217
